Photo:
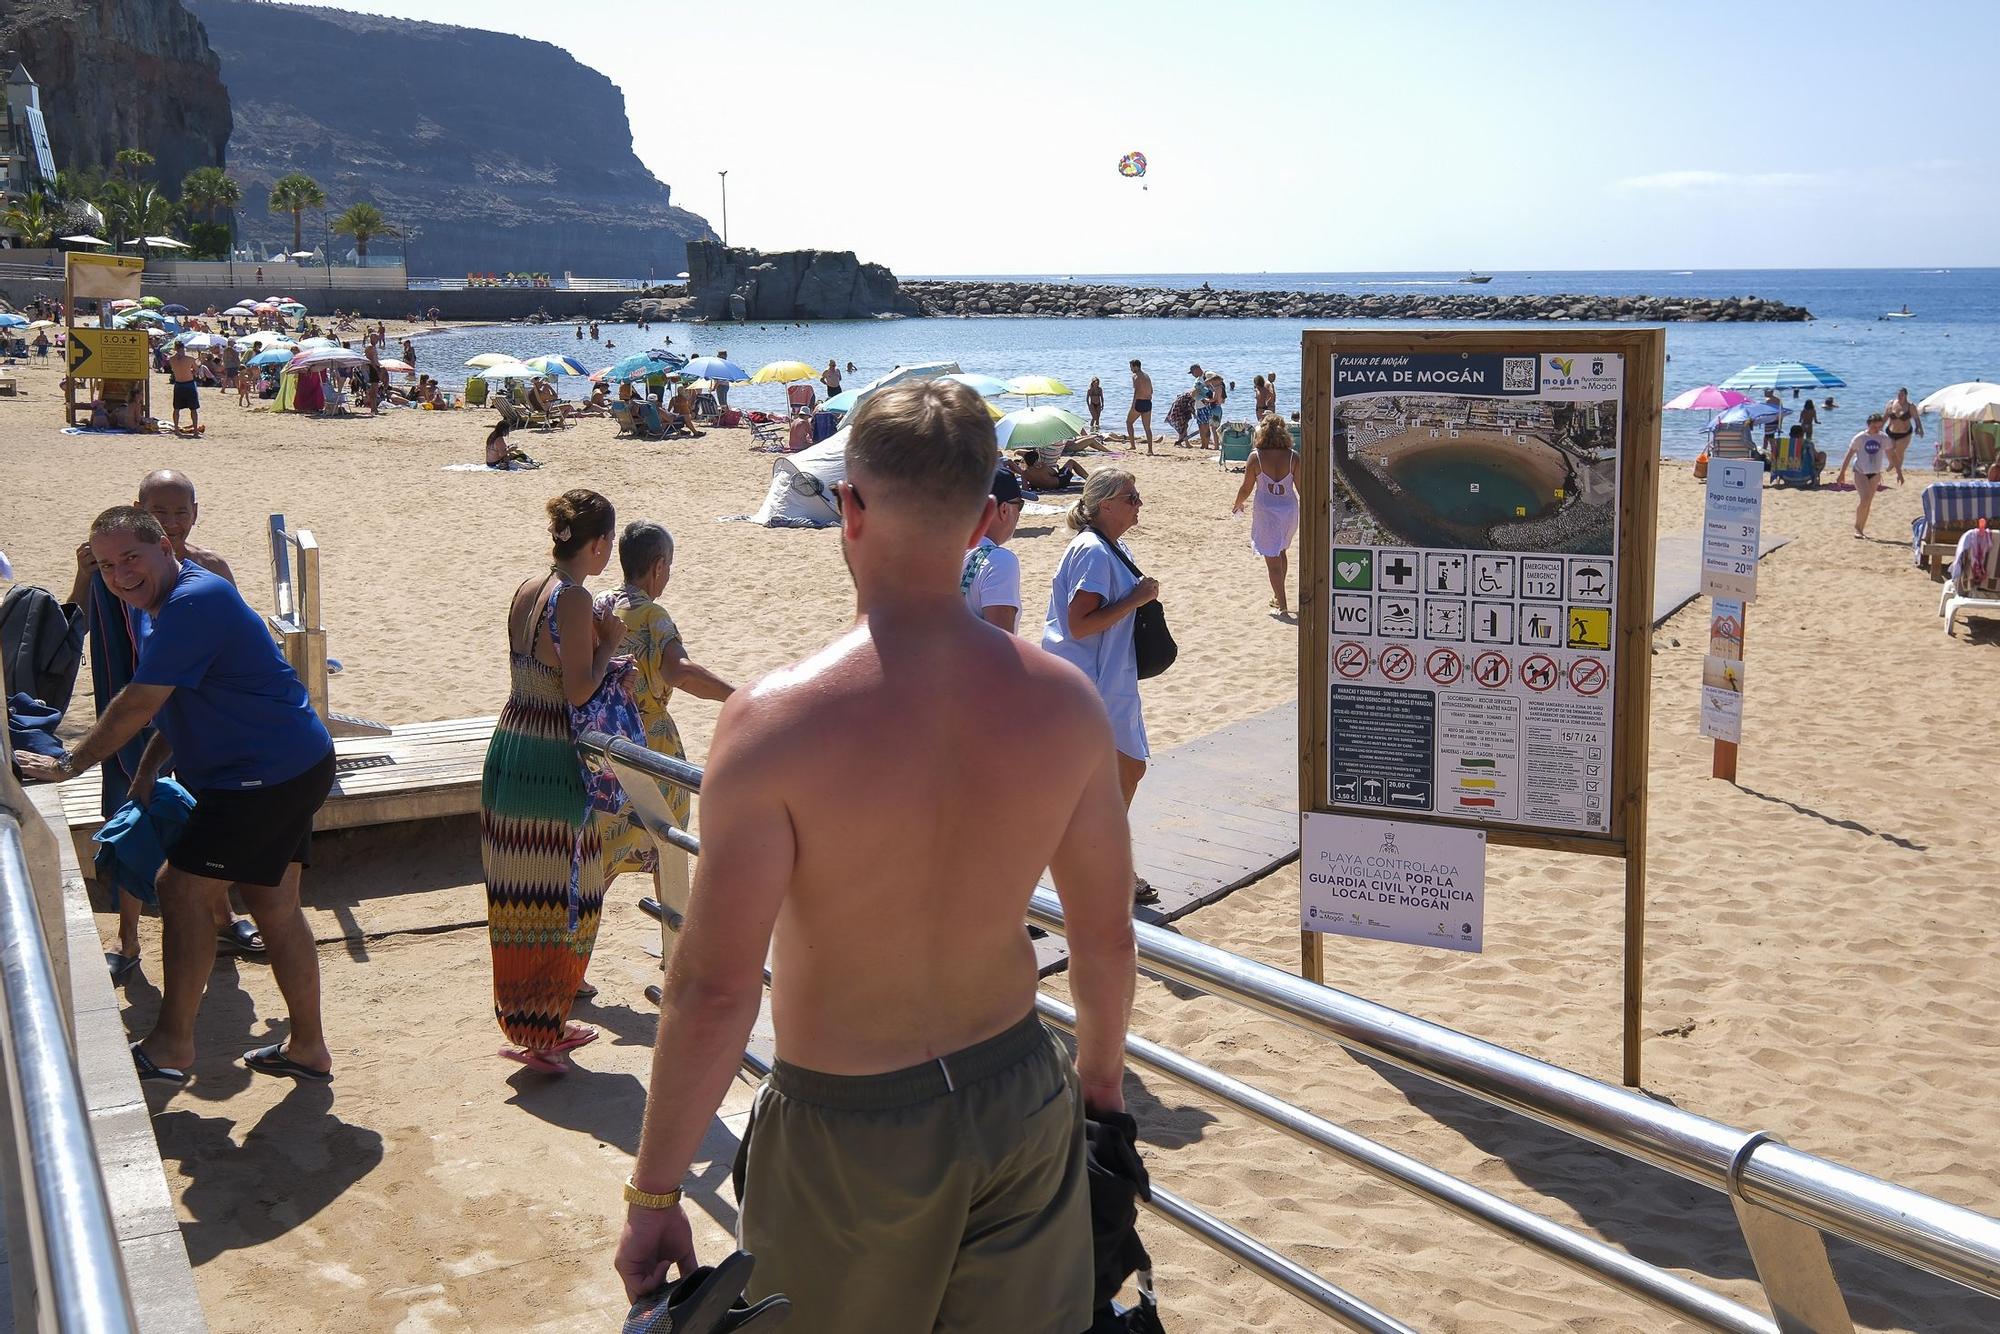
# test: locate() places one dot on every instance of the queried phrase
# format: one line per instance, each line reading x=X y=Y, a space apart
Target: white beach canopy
x=1974 y=400
x=801 y=492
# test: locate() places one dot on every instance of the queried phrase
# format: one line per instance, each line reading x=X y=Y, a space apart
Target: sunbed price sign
x=1477 y=558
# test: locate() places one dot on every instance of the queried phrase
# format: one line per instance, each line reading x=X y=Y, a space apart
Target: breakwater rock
x=734 y=283
x=1093 y=301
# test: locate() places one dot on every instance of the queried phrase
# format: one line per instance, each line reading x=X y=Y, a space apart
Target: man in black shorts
x=187 y=398
x=244 y=739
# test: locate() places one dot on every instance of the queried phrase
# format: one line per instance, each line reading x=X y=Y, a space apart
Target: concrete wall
x=479 y=303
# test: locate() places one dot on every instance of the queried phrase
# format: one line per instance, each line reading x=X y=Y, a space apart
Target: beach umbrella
x=714 y=368
x=85 y=240
x=267 y=338
x=264 y=308
x=308 y=344
x=554 y=364
x=1032 y=428
x=845 y=401
x=124 y=303
x=1752 y=412
x=325 y=356
x=153 y=302
x=164 y=243
x=203 y=341
x=276 y=356
x=1974 y=400
x=237 y=312
x=1784 y=375
x=45 y=324
x=282 y=300
x=176 y=309
x=986 y=386
x=1037 y=386
x=507 y=370
x=148 y=315
x=658 y=361
x=290 y=308
x=1708 y=397
x=923 y=370
x=485 y=359
x=8 y=320
x=783 y=372
x=397 y=366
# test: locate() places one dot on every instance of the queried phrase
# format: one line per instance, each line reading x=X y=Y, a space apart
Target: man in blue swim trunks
x=243 y=737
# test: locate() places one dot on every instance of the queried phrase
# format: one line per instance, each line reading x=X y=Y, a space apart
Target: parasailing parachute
x=1132 y=164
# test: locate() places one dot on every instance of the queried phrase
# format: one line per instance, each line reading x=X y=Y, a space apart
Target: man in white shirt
x=991 y=580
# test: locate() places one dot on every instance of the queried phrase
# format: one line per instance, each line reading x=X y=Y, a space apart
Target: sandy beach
x=1821 y=959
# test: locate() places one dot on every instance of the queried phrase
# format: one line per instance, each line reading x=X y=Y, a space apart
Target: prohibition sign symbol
x=1587 y=676
x=1398 y=662
x=1490 y=670
x=1442 y=666
x=1350 y=660
x=1538 y=671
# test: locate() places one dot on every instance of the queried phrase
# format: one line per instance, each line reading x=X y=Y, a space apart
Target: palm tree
x=208 y=189
x=132 y=161
x=137 y=209
x=32 y=221
x=294 y=193
x=364 y=222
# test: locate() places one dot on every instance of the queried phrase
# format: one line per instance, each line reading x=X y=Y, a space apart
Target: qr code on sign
x=1517 y=375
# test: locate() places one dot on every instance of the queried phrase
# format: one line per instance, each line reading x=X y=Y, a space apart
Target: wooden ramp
x=423 y=771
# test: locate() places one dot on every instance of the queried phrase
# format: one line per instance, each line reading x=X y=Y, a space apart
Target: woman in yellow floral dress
x=653 y=641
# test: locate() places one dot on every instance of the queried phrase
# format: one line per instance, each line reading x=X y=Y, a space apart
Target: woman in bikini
x=1904 y=420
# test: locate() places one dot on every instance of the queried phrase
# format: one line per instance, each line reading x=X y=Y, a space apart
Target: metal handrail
x=1950 y=1241
x=79 y=1273
x=1955 y=1243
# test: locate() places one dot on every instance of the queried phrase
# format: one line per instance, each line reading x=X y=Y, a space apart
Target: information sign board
x=1392 y=880
x=108 y=354
x=1732 y=529
x=104 y=277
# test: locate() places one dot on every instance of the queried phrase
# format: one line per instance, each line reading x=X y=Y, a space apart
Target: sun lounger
x=1979 y=602
x=1235 y=446
x=1949 y=510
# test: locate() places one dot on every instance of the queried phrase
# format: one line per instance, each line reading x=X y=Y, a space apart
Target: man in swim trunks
x=1869 y=452
x=1142 y=404
x=1903 y=420
x=915 y=1162
x=187 y=398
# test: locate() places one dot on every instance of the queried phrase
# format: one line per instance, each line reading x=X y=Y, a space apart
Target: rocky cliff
x=121 y=74
x=497 y=152
x=732 y=283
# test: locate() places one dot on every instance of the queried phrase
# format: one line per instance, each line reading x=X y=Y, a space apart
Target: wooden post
x=1315 y=602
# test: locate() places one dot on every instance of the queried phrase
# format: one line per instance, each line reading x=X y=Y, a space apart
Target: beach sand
x=1821 y=957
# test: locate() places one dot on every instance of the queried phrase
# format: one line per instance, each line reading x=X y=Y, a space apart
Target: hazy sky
x=1290 y=135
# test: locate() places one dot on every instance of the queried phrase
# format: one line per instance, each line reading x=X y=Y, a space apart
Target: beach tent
x=801 y=492
x=923 y=370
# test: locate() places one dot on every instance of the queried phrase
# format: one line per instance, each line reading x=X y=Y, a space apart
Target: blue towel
x=31 y=725
x=131 y=848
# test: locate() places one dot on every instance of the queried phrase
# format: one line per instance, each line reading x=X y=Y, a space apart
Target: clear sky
x=1293 y=135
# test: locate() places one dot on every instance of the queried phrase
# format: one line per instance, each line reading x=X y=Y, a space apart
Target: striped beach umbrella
x=557 y=365
x=1032 y=428
x=1784 y=375
x=714 y=368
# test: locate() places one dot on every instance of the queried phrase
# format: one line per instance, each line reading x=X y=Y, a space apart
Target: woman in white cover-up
x=1270 y=485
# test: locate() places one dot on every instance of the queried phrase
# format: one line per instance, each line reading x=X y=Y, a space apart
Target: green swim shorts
x=949 y=1196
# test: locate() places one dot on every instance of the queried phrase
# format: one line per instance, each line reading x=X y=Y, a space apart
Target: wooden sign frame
x=1644 y=353
x=104 y=279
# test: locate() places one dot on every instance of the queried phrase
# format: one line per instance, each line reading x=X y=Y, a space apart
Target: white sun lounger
x=1952 y=604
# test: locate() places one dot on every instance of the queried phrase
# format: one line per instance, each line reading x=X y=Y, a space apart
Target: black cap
x=1005 y=487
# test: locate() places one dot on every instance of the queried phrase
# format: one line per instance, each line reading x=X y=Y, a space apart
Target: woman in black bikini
x=1903 y=421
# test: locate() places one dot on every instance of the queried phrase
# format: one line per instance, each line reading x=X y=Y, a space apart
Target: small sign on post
x=1732 y=535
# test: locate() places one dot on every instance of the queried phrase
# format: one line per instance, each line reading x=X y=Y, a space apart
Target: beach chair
x=1235 y=445
x=771 y=436
x=623 y=416
x=1794 y=462
x=801 y=399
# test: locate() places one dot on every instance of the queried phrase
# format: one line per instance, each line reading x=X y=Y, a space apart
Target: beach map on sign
x=1474 y=513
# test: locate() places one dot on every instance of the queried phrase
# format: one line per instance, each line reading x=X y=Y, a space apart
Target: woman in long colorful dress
x=539 y=837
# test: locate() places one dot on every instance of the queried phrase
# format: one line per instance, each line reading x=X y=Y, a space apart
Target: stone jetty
x=1094 y=301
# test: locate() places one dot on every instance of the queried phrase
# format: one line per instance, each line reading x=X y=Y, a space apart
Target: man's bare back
x=922 y=813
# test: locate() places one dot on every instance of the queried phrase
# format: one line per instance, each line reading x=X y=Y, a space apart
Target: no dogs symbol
x=1538 y=671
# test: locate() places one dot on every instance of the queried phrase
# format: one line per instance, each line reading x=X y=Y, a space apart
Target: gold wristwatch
x=647 y=1200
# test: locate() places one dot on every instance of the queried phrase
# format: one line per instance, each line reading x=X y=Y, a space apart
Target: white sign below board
x=1722 y=698
x=1732 y=529
x=1418 y=884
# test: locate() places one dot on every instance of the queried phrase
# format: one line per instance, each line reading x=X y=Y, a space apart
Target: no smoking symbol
x=1350 y=660
x=1397 y=663
x=1538 y=671
x=1442 y=666
x=1490 y=670
x=1587 y=676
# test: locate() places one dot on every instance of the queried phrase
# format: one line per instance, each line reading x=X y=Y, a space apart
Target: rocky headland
x=977 y=297
x=496 y=152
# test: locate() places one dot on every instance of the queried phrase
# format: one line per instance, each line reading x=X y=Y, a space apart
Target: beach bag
x=1701 y=465
x=41 y=642
x=1152 y=643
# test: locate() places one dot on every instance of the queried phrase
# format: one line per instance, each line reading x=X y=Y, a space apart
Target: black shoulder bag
x=1152 y=643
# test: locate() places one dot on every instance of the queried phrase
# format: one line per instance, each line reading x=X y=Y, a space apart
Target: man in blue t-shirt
x=243 y=737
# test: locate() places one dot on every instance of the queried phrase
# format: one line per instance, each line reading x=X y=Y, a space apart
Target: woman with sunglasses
x=1089 y=623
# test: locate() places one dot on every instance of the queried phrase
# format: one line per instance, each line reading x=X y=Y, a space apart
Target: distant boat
x=1477 y=278
x=1903 y=314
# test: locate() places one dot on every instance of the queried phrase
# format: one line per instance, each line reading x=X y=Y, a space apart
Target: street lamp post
x=725 y=206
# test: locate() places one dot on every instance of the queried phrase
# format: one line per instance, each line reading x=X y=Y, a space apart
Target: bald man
x=116 y=632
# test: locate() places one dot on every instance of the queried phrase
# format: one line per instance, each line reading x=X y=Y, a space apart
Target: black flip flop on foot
x=242 y=936
x=121 y=965
x=1143 y=893
x=163 y=1074
x=272 y=1060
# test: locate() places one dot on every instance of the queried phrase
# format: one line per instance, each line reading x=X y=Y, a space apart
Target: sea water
x=1954 y=335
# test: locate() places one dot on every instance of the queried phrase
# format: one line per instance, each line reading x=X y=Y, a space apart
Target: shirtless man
x=1903 y=420
x=1142 y=404
x=915 y=1162
x=377 y=379
x=187 y=398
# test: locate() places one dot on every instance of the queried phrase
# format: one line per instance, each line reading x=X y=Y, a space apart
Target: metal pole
x=78 y=1271
x=725 y=206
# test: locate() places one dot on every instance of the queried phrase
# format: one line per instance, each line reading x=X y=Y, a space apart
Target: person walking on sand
x=187 y=397
x=243 y=738
x=1089 y=619
x=1204 y=399
x=1869 y=453
x=830 y=377
x=991 y=579
x=540 y=837
x=1270 y=485
x=1903 y=419
x=1142 y=404
x=1093 y=401
x=1264 y=397
x=915 y=1162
